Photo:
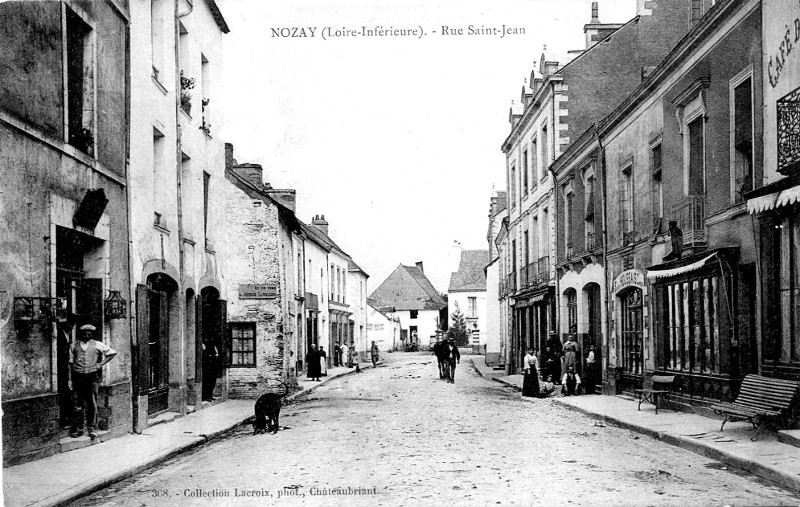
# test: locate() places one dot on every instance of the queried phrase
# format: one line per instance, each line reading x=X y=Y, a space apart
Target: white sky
x=395 y=140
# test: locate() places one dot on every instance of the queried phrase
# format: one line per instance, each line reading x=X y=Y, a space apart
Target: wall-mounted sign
x=627 y=278
x=257 y=291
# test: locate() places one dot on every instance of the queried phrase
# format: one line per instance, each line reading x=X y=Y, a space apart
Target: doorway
x=632 y=333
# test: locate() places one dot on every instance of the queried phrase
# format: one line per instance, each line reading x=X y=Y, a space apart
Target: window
x=473 y=308
x=545 y=156
x=626 y=204
x=243 y=344
x=696 y=12
x=80 y=83
x=742 y=138
x=206 y=185
x=696 y=157
x=572 y=310
x=157 y=37
x=568 y=202
x=333 y=282
x=344 y=286
x=527 y=253
x=785 y=287
x=545 y=233
x=300 y=289
x=513 y=185
x=413 y=314
x=205 y=94
x=657 y=187
x=525 y=172
x=158 y=168
x=534 y=164
x=588 y=218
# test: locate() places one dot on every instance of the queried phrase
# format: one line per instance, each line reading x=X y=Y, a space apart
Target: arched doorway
x=160 y=300
x=212 y=323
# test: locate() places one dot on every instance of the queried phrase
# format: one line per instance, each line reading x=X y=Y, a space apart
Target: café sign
x=627 y=278
x=257 y=291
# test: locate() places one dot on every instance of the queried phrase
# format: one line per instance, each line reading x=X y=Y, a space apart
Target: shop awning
x=665 y=271
x=774 y=200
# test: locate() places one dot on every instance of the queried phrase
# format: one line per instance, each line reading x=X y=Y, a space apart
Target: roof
x=322 y=239
x=217 y=14
x=470 y=276
x=352 y=266
x=407 y=288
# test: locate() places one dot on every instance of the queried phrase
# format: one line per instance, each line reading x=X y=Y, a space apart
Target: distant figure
x=337 y=354
x=352 y=355
x=570 y=349
x=591 y=371
x=554 y=343
x=375 y=354
x=345 y=352
x=530 y=383
x=571 y=382
x=547 y=387
x=313 y=364
x=676 y=237
x=438 y=350
x=323 y=362
x=452 y=356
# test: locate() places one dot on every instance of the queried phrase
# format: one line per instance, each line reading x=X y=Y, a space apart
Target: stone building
x=383 y=326
x=357 y=299
x=64 y=105
x=467 y=290
x=776 y=204
x=679 y=155
x=556 y=106
x=177 y=169
x=496 y=302
x=263 y=281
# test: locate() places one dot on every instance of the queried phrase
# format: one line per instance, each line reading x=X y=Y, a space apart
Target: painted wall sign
x=257 y=291
x=627 y=278
x=782 y=51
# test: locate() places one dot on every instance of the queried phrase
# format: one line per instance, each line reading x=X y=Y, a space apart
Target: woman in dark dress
x=530 y=383
x=312 y=363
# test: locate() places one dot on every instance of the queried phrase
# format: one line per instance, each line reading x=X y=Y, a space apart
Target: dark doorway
x=214 y=317
x=155 y=319
x=632 y=332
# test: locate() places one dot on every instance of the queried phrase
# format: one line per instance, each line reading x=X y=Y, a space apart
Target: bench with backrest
x=662 y=385
x=761 y=400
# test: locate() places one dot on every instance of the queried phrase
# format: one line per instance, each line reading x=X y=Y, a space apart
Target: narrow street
x=406 y=438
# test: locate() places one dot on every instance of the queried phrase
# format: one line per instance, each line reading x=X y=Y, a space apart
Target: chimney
x=595 y=14
x=228 y=156
x=320 y=223
x=250 y=172
x=419 y=265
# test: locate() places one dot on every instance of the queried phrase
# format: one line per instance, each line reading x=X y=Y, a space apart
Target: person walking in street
x=210 y=358
x=452 y=357
x=571 y=350
x=530 y=382
x=323 y=362
x=337 y=354
x=571 y=382
x=438 y=351
x=86 y=360
x=375 y=354
x=313 y=364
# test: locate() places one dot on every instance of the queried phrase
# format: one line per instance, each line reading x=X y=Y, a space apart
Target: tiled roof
x=470 y=276
x=352 y=266
x=407 y=288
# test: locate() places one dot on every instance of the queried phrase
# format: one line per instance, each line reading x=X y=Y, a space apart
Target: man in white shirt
x=345 y=354
x=87 y=357
x=570 y=382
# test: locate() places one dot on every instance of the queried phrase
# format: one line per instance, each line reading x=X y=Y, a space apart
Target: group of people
x=558 y=358
x=343 y=355
x=447 y=356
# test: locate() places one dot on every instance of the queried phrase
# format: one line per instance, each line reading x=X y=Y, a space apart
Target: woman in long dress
x=312 y=363
x=323 y=362
x=570 y=352
x=530 y=383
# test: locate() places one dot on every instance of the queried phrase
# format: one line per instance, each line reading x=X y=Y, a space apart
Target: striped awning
x=669 y=272
x=774 y=200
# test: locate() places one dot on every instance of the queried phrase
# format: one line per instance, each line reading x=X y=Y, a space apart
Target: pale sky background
x=395 y=140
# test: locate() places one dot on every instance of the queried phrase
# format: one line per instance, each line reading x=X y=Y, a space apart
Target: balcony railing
x=512 y=282
x=543 y=270
x=690 y=213
x=533 y=273
x=593 y=240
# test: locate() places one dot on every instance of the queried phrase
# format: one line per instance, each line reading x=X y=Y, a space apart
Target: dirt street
x=397 y=435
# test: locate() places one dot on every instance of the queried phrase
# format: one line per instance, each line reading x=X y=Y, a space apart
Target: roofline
x=245 y=185
x=218 y=17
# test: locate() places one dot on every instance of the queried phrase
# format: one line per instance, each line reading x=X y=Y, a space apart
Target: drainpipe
x=554 y=252
x=179 y=190
x=604 y=189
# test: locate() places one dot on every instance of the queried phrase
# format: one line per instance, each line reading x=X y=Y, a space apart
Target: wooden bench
x=761 y=400
x=661 y=389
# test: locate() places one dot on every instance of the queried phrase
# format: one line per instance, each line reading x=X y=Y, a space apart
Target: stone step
x=791 y=437
x=68 y=443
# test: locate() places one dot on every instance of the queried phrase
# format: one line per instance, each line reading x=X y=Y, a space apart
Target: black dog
x=268 y=409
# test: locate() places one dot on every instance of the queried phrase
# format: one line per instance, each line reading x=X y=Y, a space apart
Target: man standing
x=87 y=357
x=345 y=354
x=209 y=369
x=337 y=354
x=375 y=353
x=452 y=356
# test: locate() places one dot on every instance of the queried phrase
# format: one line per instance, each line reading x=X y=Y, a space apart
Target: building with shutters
x=64 y=105
x=177 y=169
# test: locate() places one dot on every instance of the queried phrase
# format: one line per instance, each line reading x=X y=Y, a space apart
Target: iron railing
x=690 y=213
x=543 y=270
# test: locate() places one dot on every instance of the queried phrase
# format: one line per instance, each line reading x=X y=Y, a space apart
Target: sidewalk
x=65 y=477
x=769 y=457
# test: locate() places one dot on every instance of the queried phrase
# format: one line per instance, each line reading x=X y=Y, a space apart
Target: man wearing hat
x=451 y=356
x=87 y=357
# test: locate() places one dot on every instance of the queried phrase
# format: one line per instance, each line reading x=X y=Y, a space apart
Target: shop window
x=632 y=332
x=786 y=286
x=243 y=344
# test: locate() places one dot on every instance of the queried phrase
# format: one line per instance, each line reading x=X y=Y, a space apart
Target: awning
x=774 y=200
x=668 y=272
